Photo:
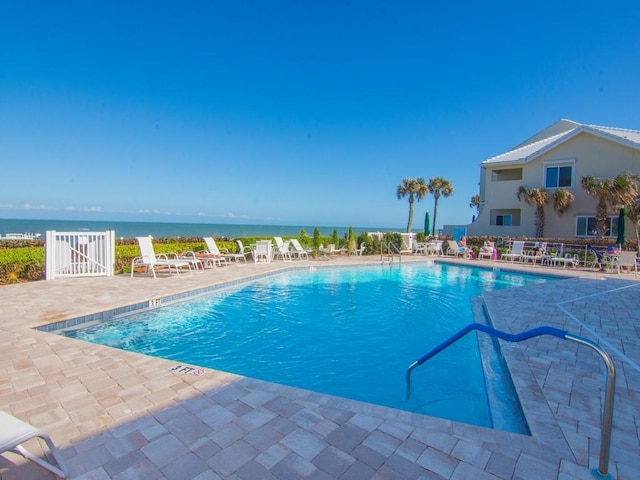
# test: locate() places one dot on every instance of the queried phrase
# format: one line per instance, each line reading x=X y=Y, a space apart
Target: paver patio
x=120 y=415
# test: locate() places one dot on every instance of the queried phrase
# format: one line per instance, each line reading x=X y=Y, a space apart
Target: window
x=558 y=175
x=503 y=219
x=507 y=174
x=586 y=227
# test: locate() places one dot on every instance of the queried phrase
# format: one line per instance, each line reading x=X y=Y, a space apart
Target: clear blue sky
x=292 y=113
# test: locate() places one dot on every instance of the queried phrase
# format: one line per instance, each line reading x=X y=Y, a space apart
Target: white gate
x=79 y=254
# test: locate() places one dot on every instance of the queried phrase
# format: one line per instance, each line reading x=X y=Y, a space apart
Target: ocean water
x=168 y=230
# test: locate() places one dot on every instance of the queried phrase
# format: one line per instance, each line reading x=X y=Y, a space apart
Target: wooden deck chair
x=14 y=432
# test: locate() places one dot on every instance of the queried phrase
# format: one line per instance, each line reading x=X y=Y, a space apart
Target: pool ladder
x=390 y=254
x=607 y=417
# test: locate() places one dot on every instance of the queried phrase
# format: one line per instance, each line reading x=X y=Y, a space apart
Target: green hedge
x=25 y=261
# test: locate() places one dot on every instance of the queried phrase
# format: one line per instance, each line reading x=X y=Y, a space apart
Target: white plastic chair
x=298 y=251
x=149 y=260
x=262 y=251
x=515 y=253
x=14 y=432
x=282 y=249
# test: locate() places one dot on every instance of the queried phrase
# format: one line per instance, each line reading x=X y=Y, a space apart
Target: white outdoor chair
x=150 y=261
x=434 y=248
x=298 y=251
x=515 y=253
x=14 y=432
x=282 y=249
x=486 y=251
x=627 y=260
x=262 y=251
x=568 y=259
x=455 y=249
x=220 y=258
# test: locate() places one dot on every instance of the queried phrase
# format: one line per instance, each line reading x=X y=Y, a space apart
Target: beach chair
x=487 y=251
x=359 y=251
x=298 y=251
x=224 y=254
x=568 y=259
x=515 y=252
x=454 y=249
x=150 y=261
x=598 y=260
x=282 y=249
x=14 y=432
x=537 y=253
x=435 y=248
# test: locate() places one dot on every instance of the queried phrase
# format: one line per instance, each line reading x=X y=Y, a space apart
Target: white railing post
x=50 y=257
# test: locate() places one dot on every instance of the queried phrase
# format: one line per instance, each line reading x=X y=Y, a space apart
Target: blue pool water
x=347 y=332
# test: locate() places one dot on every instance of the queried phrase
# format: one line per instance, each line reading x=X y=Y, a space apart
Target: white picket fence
x=79 y=254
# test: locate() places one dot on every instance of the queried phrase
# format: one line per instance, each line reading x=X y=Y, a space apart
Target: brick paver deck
x=120 y=415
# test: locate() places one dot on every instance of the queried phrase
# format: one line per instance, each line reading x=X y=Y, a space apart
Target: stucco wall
x=593 y=156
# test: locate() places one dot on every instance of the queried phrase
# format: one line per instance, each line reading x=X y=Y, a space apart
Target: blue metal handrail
x=607 y=418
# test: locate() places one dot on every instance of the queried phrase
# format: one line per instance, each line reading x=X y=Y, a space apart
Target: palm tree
x=535 y=197
x=475 y=202
x=414 y=188
x=610 y=193
x=562 y=199
x=438 y=187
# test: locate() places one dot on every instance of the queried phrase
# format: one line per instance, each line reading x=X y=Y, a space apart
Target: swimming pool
x=350 y=332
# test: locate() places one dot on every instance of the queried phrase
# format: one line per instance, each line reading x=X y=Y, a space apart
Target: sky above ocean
x=291 y=113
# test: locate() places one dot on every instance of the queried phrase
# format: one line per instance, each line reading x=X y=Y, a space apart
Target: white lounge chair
x=420 y=248
x=568 y=259
x=515 y=253
x=486 y=251
x=359 y=251
x=262 y=251
x=537 y=253
x=331 y=249
x=14 y=432
x=298 y=251
x=434 y=248
x=282 y=249
x=150 y=261
x=455 y=249
x=221 y=258
x=189 y=256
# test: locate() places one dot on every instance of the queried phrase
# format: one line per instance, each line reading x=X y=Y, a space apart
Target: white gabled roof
x=558 y=133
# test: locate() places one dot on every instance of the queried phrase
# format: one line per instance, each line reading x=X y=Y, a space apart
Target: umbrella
x=426 y=224
x=620 y=239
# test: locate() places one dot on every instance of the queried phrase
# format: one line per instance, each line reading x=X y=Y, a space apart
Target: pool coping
x=431 y=445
